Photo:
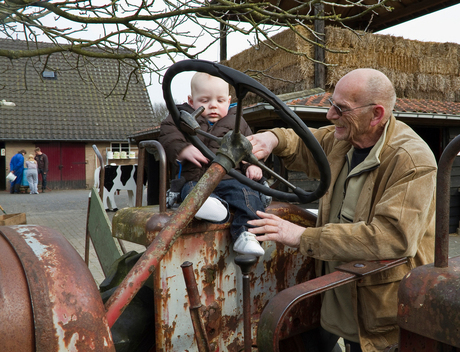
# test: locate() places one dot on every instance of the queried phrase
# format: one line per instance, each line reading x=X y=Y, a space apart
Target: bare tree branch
x=140 y=33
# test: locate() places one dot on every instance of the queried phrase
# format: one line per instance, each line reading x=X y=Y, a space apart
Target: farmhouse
x=64 y=105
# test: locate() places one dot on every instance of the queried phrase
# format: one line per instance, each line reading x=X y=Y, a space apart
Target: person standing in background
x=42 y=162
x=17 y=168
x=32 y=174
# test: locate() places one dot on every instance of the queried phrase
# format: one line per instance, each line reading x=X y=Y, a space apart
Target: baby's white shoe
x=247 y=243
x=212 y=210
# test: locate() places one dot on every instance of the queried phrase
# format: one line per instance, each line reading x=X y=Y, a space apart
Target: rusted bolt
x=359 y=265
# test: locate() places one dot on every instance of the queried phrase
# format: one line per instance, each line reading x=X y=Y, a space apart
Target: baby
x=217 y=119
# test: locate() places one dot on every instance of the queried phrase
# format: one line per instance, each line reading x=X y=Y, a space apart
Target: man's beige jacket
x=394 y=218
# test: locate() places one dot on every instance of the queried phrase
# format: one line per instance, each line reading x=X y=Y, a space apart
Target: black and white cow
x=118 y=177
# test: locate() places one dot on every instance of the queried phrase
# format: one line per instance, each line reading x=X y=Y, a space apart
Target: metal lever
x=195 y=305
x=245 y=262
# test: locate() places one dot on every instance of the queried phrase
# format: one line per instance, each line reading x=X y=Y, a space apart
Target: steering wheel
x=237 y=145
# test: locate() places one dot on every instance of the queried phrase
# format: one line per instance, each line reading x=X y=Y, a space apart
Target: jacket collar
x=373 y=159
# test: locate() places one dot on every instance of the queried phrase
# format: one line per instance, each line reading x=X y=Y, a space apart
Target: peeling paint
x=219 y=280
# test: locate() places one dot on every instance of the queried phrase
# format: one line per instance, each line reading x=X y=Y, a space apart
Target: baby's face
x=212 y=94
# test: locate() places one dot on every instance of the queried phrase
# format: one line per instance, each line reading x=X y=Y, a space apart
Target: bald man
x=380 y=205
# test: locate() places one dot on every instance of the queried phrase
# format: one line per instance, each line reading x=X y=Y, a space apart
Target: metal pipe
x=247 y=314
x=195 y=305
x=149 y=261
x=87 y=236
x=140 y=176
x=441 y=249
x=163 y=172
x=245 y=262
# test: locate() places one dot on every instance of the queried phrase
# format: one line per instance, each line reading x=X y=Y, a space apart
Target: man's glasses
x=340 y=111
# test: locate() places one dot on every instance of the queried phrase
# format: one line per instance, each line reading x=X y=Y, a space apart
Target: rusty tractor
x=193 y=292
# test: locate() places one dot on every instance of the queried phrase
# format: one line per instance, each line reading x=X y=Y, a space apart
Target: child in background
x=32 y=174
x=213 y=94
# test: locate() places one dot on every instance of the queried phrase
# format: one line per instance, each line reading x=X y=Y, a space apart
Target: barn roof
x=312 y=105
x=61 y=103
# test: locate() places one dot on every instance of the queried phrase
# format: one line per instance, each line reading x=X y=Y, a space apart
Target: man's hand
x=192 y=154
x=254 y=172
x=276 y=229
x=263 y=144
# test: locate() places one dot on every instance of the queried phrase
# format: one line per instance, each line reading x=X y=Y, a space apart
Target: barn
x=64 y=105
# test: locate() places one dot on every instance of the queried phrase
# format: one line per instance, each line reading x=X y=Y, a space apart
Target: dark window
x=120 y=147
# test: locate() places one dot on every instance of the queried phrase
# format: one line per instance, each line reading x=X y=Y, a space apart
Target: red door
x=66 y=164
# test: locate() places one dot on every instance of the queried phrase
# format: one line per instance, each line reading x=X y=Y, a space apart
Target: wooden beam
x=320 y=56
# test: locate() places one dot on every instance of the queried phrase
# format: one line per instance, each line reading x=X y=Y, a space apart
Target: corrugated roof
x=77 y=105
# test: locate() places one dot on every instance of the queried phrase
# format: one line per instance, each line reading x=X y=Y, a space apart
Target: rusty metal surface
x=68 y=313
x=273 y=317
x=208 y=247
x=149 y=261
x=429 y=304
x=428 y=296
x=410 y=342
x=17 y=328
x=220 y=284
x=141 y=225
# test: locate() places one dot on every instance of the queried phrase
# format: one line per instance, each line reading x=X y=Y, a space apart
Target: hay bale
x=276 y=69
x=417 y=69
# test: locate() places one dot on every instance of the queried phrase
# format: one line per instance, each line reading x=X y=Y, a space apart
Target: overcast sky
x=441 y=26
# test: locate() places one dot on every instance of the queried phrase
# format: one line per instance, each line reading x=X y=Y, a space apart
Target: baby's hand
x=192 y=154
x=254 y=172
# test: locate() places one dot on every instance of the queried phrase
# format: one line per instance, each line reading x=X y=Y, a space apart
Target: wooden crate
x=13 y=219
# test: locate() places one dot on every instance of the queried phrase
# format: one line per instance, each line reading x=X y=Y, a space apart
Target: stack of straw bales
x=418 y=70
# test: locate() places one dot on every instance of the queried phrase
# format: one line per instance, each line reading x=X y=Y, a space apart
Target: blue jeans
x=43 y=173
x=240 y=198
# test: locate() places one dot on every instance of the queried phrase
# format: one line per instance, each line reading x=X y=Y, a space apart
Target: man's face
x=212 y=94
x=353 y=125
